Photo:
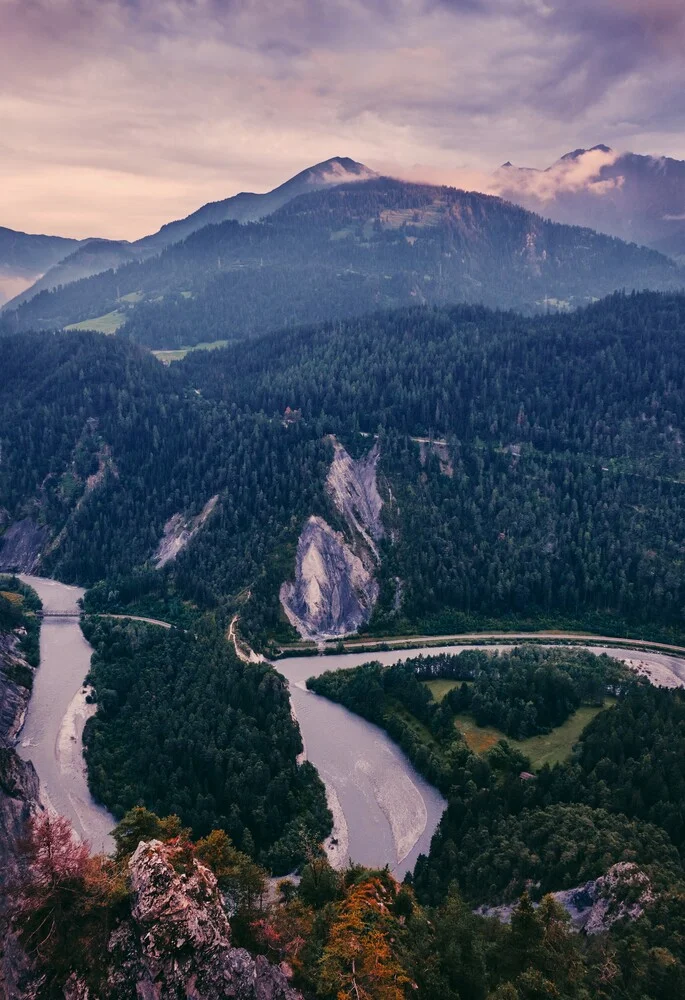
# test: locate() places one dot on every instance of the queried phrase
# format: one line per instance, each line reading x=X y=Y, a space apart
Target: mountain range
x=338 y=240
x=636 y=198
x=35 y=263
x=344 y=250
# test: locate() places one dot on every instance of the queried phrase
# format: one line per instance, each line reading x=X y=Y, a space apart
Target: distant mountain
x=24 y=257
x=351 y=249
x=89 y=258
x=637 y=198
x=248 y=207
x=95 y=256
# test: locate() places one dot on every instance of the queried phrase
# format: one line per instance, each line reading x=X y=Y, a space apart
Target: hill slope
x=549 y=489
x=348 y=250
x=95 y=256
x=26 y=256
x=249 y=207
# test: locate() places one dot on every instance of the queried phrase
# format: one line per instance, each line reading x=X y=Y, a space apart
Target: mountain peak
x=336 y=170
x=577 y=153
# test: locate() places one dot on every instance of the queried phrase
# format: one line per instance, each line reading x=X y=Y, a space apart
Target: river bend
x=52 y=736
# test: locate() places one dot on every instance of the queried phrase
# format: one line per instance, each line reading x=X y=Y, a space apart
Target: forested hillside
x=616 y=799
x=343 y=252
x=186 y=728
x=550 y=489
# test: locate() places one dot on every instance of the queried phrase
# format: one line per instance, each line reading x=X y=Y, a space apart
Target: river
x=385 y=812
x=57 y=713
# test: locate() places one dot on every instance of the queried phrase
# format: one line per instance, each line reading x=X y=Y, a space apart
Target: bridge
x=66 y=613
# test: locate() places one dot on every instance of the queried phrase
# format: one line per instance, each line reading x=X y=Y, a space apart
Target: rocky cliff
x=176 y=944
x=178 y=532
x=18 y=798
x=623 y=892
x=353 y=487
x=334 y=591
x=21 y=546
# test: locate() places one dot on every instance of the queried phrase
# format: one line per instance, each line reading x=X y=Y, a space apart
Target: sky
x=119 y=115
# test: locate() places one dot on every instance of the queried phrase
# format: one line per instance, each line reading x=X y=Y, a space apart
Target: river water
x=385 y=812
x=52 y=733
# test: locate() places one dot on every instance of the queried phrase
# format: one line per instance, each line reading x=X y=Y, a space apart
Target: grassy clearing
x=12 y=596
x=132 y=297
x=166 y=357
x=551 y=748
x=441 y=687
x=109 y=323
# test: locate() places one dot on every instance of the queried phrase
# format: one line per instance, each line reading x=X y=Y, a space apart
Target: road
x=582 y=638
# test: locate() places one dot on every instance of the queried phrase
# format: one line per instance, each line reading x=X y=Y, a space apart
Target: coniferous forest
x=554 y=497
x=532 y=476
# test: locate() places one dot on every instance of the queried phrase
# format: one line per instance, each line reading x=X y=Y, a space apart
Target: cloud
x=117 y=115
x=569 y=175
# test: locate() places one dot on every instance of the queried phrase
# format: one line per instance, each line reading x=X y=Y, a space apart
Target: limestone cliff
x=177 y=941
x=334 y=591
x=18 y=799
x=353 y=488
x=623 y=892
x=178 y=532
x=21 y=546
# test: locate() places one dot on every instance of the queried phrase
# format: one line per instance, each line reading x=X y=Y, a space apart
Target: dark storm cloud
x=118 y=114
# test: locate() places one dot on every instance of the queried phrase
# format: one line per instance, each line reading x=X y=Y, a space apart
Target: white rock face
x=623 y=892
x=333 y=592
x=354 y=491
x=178 y=532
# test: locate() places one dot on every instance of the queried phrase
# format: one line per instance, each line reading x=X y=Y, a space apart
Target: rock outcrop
x=333 y=592
x=623 y=892
x=177 y=942
x=21 y=546
x=18 y=800
x=178 y=532
x=353 y=488
x=16 y=677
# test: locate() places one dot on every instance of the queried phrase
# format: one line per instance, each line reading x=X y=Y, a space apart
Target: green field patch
x=132 y=297
x=166 y=357
x=109 y=323
x=548 y=748
x=440 y=687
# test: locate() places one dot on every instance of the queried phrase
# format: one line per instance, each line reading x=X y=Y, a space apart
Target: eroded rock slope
x=335 y=590
x=178 y=532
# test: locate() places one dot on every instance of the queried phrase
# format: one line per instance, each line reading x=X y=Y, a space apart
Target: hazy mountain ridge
x=249 y=207
x=24 y=257
x=350 y=249
x=90 y=257
x=634 y=197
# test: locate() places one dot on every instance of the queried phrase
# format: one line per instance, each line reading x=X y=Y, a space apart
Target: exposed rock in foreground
x=178 y=532
x=16 y=679
x=21 y=546
x=333 y=592
x=18 y=800
x=623 y=892
x=177 y=942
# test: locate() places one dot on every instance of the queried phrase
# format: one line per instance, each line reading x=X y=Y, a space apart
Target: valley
x=382 y=584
